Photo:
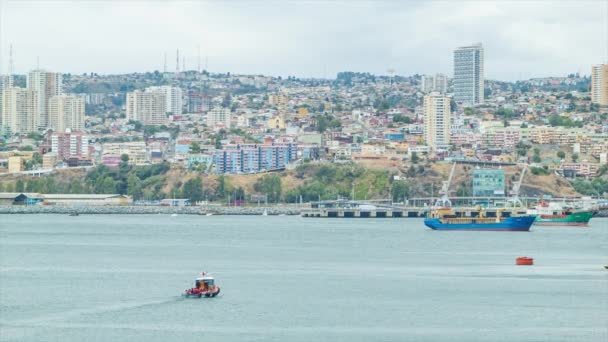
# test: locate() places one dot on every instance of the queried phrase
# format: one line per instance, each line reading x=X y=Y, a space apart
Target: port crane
x=444 y=201
x=514 y=200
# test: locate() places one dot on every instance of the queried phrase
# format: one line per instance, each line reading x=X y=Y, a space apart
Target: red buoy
x=527 y=261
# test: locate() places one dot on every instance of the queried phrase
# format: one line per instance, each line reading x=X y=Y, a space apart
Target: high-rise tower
x=469 y=74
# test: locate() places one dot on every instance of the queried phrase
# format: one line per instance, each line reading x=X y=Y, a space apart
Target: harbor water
x=285 y=278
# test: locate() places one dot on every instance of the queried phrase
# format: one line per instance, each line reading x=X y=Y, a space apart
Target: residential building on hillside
x=46 y=84
x=436 y=109
x=20 y=110
x=469 y=74
x=70 y=144
x=430 y=83
x=173 y=98
x=599 y=84
x=66 y=112
x=218 y=117
x=253 y=158
x=147 y=107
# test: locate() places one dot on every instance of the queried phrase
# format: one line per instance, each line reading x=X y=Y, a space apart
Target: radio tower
x=165 y=64
x=177 y=62
x=184 y=64
x=11 y=65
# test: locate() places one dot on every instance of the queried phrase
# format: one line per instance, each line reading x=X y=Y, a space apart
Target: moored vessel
x=553 y=214
x=444 y=219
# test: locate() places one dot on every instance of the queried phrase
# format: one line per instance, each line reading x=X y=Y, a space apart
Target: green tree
x=19 y=186
x=415 y=159
x=134 y=187
x=400 y=191
x=195 y=147
x=574 y=157
x=76 y=187
x=193 y=189
x=269 y=185
x=108 y=186
x=561 y=154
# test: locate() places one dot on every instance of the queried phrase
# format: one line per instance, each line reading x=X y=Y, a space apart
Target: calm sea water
x=119 y=278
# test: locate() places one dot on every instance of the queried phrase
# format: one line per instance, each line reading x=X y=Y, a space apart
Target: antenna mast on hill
x=11 y=64
x=198 y=68
x=177 y=62
x=165 y=64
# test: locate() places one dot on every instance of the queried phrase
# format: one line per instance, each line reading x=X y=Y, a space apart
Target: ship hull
x=510 y=224
x=579 y=219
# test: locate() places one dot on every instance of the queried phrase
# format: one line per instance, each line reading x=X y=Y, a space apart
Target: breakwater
x=193 y=210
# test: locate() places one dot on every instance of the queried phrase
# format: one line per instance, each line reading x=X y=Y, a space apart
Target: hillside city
x=189 y=133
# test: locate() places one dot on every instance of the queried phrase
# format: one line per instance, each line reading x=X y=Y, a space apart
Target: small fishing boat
x=73 y=214
x=445 y=219
x=204 y=286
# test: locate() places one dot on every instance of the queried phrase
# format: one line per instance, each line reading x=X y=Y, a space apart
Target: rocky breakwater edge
x=142 y=210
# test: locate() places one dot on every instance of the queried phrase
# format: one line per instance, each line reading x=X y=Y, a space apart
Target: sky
x=305 y=38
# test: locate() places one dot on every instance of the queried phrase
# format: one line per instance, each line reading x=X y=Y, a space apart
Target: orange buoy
x=526 y=261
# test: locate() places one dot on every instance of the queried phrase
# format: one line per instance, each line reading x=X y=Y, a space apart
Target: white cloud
x=305 y=38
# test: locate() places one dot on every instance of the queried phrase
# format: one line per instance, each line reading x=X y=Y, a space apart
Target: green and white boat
x=553 y=214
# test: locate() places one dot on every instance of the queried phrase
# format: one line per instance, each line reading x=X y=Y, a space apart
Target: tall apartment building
x=66 y=112
x=19 y=110
x=469 y=74
x=68 y=144
x=218 y=117
x=46 y=84
x=173 y=98
x=430 y=83
x=436 y=110
x=599 y=84
x=147 y=107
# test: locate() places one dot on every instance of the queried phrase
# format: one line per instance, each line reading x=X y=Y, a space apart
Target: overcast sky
x=522 y=39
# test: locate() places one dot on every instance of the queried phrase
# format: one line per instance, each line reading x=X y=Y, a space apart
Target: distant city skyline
x=521 y=40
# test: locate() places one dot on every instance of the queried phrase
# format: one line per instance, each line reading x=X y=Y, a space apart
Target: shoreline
x=129 y=210
x=143 y=210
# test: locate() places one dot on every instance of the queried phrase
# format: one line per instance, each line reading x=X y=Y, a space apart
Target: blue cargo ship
x=443 y=219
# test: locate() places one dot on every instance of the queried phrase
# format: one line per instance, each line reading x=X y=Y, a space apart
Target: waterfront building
x=173 y=98
x=70 y=144
x=46 y=85
x=469 y=74
x=437 y=112
x=218 y=117
x=488 y=182
x=66 y=112
x=599 y=84
x=147 y=107
x=19 y=110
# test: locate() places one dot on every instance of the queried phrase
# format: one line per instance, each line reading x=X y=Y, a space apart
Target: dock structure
x=364 y=213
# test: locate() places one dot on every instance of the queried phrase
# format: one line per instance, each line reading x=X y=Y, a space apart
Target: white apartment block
x=436 y=121
x=278 y=100
x=19 y=110
x=149 y=108
x=46 y=84
x=66 y=112
x=173 y=98
x=218 y=117
x=469 y=74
